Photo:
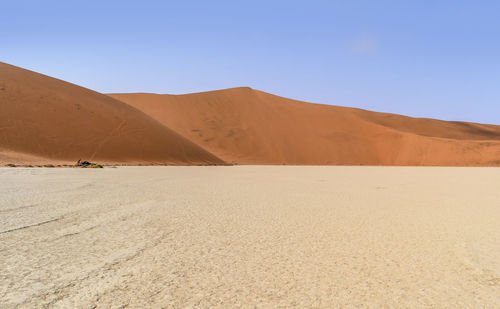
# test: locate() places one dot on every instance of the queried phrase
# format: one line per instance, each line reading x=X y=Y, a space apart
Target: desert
x=239 y=198
x=249 y=154
x=44 y=120
x=250 y=236
x=248 y=126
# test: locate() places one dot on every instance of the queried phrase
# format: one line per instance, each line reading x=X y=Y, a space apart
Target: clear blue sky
x=432 y=58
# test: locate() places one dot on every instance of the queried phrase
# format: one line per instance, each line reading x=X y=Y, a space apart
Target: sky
x=438 y=59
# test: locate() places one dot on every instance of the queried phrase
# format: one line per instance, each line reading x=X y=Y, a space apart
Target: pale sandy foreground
x=331 y=237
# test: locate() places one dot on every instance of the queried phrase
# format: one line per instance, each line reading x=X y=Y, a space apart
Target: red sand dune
x=247 y=126
x=47 y=120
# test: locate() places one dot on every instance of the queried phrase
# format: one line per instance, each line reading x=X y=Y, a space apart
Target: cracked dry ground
x=250 y=236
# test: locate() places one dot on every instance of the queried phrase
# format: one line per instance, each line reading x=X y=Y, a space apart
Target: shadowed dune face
x=43 y=119
x=247 y=126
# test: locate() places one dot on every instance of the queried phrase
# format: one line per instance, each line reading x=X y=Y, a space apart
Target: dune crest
x=43 y=119
x=46 y=120
x=247 y=126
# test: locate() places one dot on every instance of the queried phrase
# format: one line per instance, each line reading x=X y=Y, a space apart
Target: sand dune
x=247 y=126
x=46 y=120
x=43 y=119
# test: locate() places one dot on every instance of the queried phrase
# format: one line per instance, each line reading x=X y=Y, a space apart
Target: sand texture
x=250 y=236
x=46 y=120
x=247 y=126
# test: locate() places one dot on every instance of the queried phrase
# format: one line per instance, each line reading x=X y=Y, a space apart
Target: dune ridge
x=46 y=120
x=247 y=126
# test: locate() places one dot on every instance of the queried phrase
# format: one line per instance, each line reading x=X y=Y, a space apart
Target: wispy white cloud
x=364 y=45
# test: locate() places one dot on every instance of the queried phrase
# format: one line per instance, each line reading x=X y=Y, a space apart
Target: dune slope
x=247 y=126
x=43 y=119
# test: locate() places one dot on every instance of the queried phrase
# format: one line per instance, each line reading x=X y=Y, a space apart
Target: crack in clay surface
x=31 y=225
x=250 y=236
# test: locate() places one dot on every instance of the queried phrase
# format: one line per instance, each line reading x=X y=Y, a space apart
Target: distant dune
x=45 y=120
x=247 y=126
